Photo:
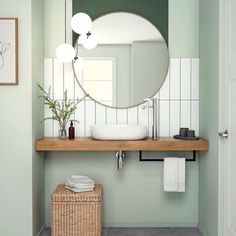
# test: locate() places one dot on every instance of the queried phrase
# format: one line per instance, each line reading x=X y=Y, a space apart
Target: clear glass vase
x=62 y=134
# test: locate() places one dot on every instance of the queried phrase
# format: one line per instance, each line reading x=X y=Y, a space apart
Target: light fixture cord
x=63 y=73
x=65 y=20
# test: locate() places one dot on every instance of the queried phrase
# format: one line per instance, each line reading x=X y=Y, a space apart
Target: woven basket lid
x=61 y=194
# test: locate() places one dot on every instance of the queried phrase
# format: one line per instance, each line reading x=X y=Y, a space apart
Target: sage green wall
x=133 y=197
x=184 y=28
x=21 y=208
x=37 y=37
x=17 y=139
x=154 y=10
x=209 y=103
x=122 y=206
x=54 y=25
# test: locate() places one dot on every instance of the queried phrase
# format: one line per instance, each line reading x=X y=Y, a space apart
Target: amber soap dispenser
x=71 y=130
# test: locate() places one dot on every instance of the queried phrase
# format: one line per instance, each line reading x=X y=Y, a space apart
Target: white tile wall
x=185 y=78
x=100 y=116
x=89 y=116
x=175 y=74
x=133 y=115
x=165 y=89
x=175 y=117
x=111 y=114
x=122 y=116
x=178 y=100
x=164 y=118
x=80 y=117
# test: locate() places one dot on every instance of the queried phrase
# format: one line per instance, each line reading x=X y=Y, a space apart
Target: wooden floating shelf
x=89 y=144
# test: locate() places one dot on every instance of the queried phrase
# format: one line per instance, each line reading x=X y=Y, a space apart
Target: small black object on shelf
x=186 y=134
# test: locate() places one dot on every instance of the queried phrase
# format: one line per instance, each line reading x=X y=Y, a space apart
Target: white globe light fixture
x=79 y=64
x=65 y=53
x=81 y=23
x=89 y=41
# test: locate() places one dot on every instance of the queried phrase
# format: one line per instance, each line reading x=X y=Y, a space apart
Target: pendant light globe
x=79 y=64
x=81 y=23
x=89 y=42
x=65 y=53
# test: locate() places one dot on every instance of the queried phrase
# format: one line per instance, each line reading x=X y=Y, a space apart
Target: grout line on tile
x=116 y=116
x=180 y=110
x=106 y=115
x=169 y=103
x=159 y=108
x=191 y=78
x=53 y=93
x=175 y=99
x=84 y=117
x=63 y=79
x=137 y=114
x=95 y=111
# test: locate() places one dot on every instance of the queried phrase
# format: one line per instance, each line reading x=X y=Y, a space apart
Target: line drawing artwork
x=4 y=48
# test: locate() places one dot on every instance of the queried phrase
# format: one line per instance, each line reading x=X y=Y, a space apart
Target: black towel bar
x=162 y=159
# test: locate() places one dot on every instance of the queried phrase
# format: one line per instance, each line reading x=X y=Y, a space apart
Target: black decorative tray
x=186 y=138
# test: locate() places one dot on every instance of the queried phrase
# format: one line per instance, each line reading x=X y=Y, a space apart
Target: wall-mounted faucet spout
x=120 y=155
x=152 y=103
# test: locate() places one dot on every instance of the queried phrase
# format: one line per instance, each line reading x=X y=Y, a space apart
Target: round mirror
x=129 y=63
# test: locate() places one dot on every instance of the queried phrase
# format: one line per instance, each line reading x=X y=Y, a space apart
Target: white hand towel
x=79 y=190
x=79 y=185
x=181 y=174
x=81 y=179
x=170 y=174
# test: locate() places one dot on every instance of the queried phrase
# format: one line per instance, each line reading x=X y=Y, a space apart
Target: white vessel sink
x=119 y=132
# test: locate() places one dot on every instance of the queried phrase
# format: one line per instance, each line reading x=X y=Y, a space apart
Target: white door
x=227 y=164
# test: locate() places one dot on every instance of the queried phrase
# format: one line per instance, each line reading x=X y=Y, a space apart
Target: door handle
x=224 y=134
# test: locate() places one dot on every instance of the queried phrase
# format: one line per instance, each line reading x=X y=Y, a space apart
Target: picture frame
x=9 y=51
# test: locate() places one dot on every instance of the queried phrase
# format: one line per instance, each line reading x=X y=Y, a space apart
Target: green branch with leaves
x=61 y=112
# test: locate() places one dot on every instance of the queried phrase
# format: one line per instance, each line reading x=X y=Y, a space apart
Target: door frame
x=223 y=113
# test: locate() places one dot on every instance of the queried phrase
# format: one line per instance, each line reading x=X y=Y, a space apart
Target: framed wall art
x=8 y=51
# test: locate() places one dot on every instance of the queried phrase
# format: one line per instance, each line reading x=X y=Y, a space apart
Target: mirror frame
x=168 y=64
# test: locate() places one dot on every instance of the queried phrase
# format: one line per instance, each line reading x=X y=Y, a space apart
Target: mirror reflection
x=129 y=64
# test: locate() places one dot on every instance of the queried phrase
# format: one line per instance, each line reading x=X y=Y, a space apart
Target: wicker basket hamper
x=76 y=214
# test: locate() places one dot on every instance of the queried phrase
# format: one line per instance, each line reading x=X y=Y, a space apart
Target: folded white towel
x=81 y=179
x=181 y=174
x=79 y=190
x=78 y=185
x=170 y=174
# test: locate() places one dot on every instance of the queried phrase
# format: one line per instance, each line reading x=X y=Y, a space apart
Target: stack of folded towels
x=79 y=183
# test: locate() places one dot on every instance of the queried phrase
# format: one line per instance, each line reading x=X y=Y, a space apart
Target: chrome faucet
x=152 y=103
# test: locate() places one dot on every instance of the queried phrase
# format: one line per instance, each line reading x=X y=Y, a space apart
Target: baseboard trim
x=202 y=232
x=41 y=230
x=151 y=225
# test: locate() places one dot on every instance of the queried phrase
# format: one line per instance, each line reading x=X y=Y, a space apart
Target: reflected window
x=98 y=79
